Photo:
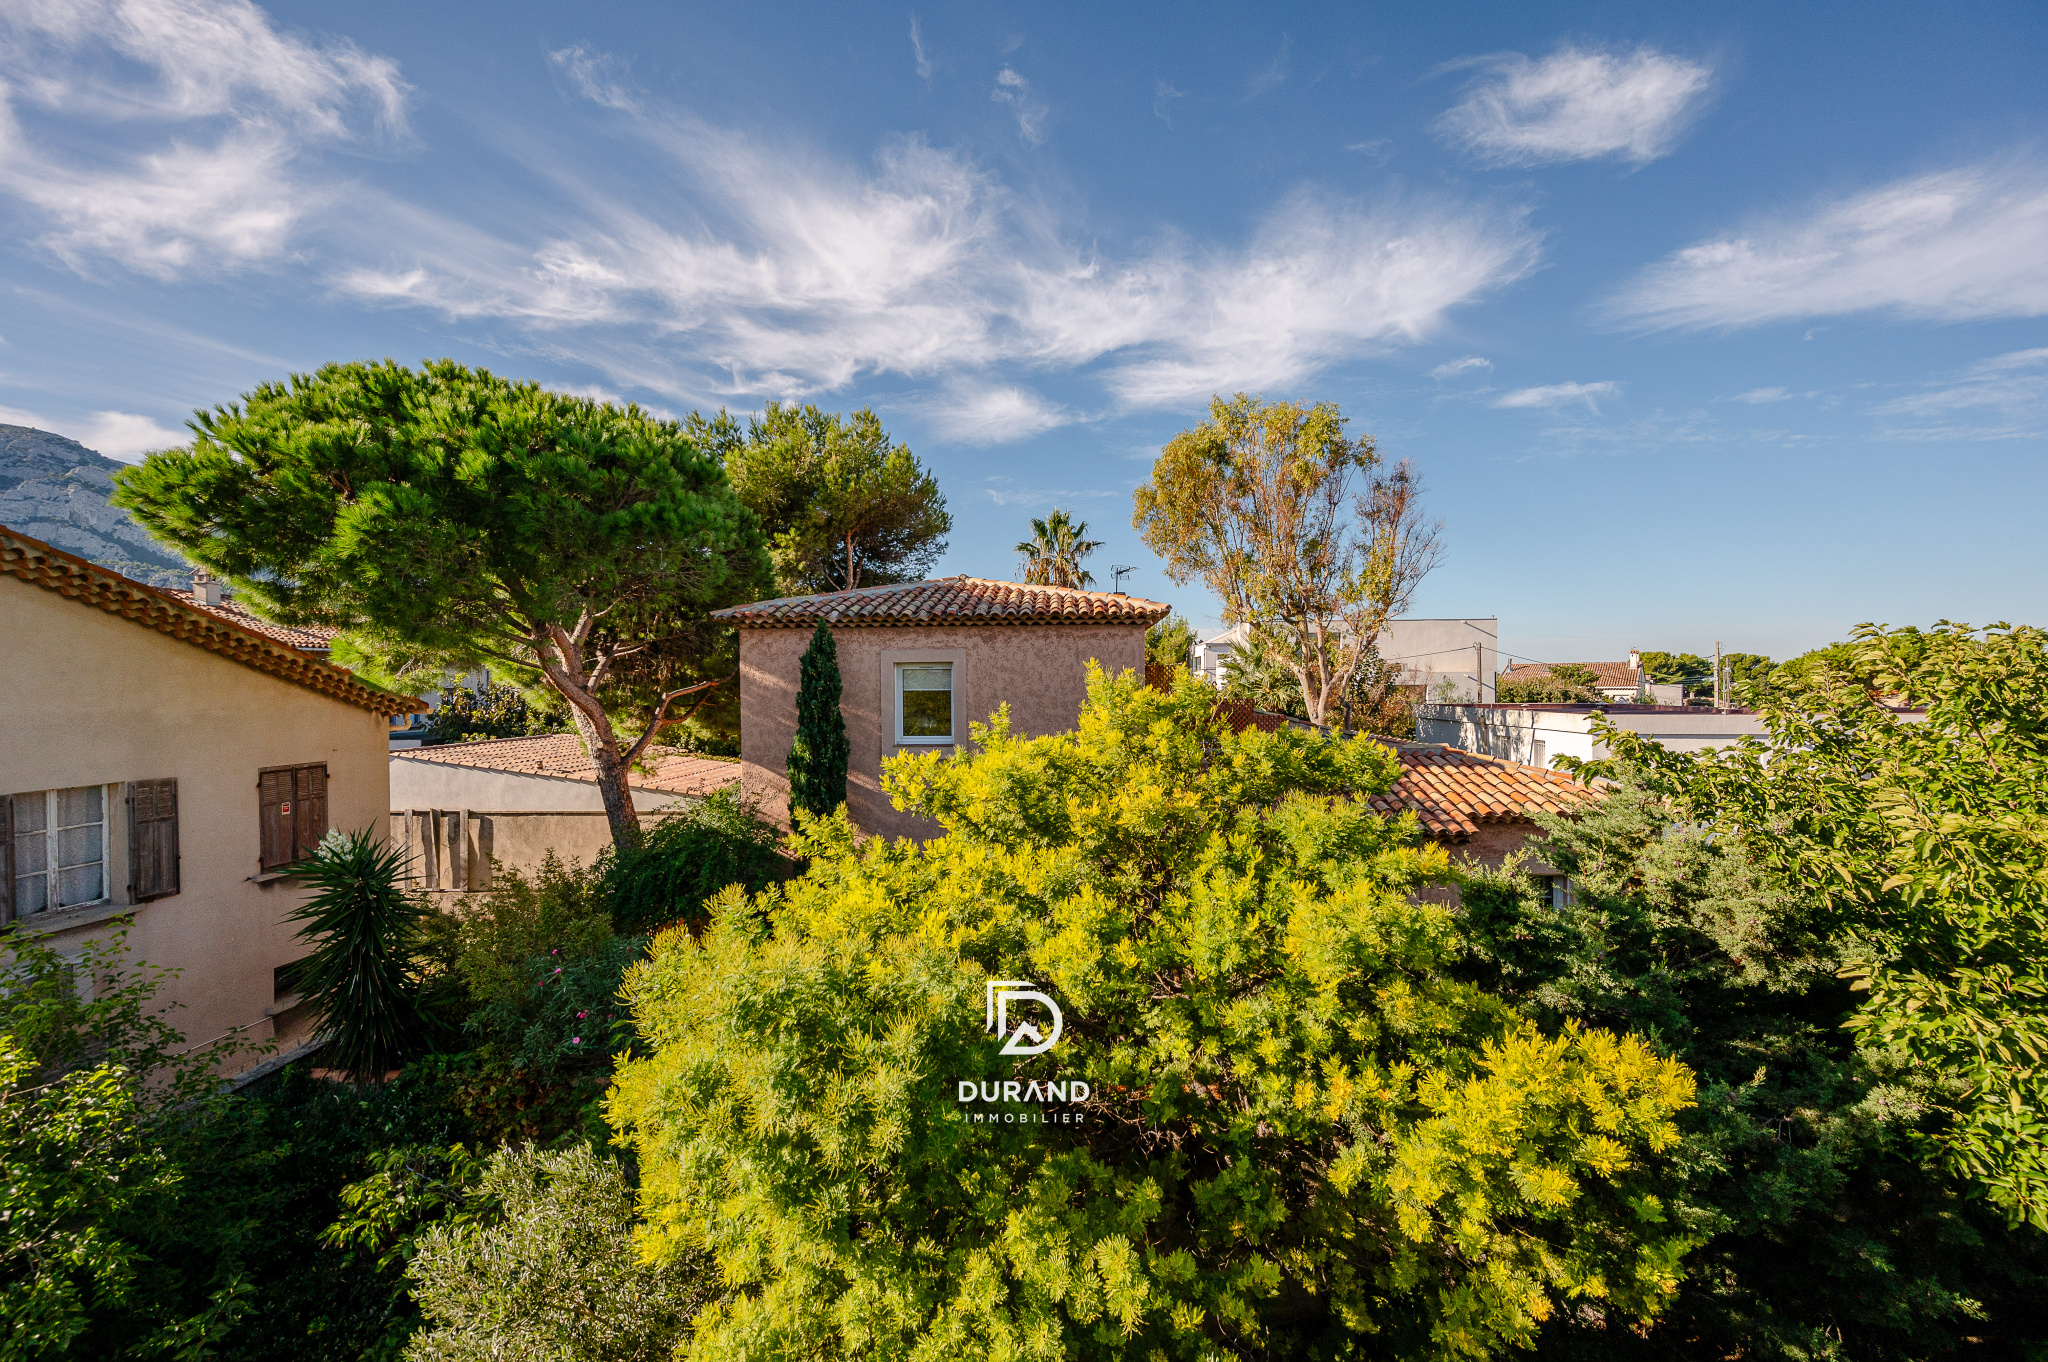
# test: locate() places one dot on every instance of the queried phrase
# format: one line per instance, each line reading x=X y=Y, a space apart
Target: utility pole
x=1479 y=673
x=1717 y=675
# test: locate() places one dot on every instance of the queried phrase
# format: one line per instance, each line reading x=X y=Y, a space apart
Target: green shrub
x=1825 y=1237
x=1301 y=1136
x=568 y=1014
x=560 y=908
x=97 y=1089
x=1544 y=690
x=552 y=1274
x=685 y=859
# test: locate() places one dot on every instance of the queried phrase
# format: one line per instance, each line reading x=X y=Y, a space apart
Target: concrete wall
x=1040 y=670
x=1515 y=731
x=421 y=784
x=96 y=699
x=457 y=850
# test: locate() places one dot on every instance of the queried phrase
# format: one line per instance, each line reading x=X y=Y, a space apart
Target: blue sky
x=1702 y=322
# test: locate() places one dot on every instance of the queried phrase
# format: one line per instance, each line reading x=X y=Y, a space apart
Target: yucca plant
x=360 y=974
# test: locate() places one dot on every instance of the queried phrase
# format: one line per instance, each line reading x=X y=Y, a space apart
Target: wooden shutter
x=152 y=839
x=6 y=859
x=274 y=798
x=309 y=810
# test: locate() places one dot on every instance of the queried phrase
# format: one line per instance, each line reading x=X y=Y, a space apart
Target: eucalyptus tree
x=1301 y=530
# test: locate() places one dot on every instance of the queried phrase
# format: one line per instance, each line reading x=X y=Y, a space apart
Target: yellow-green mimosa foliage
x=1304 y=1136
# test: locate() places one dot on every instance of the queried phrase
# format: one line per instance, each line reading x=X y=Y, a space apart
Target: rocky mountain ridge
x=56 y=490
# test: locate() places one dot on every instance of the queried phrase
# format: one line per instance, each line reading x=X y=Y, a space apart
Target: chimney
x=205 y=588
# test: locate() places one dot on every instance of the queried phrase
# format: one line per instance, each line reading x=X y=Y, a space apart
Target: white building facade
x=1537 y=734
x=1458 y=655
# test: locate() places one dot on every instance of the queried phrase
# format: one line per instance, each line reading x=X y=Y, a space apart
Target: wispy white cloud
x=1163 y=96
x=597 y=76
x=791 y=275
x=1451 y=368
x=992 y=413
x=18 y=416
x=201 y=165
x=1957 y=245
x=1758 y=396
x=1379 y=150
x=917 y=52
x=1015 y=91
x=1004 y=491
x=2003 y=398
x=1576 y=104
x=1321 y=280
x=1560 y=395
x=1273 y=74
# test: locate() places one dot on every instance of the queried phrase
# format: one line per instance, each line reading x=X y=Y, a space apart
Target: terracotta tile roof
x=562 y=756
x=1610 y=675
x=1454 y=791
x=948 y=600
x=306 y=640
x=38 y=564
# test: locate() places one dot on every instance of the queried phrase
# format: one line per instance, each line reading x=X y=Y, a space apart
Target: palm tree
x=1052 y=555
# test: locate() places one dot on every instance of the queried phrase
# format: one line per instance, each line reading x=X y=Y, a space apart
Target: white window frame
x=51 y=872
x=952 y=707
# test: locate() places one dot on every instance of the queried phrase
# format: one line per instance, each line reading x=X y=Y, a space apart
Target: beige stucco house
x=462 y=807
x=918 y=662
x=160 y=764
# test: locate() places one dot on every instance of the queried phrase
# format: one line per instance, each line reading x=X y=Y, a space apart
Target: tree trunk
x=597 y=735
x=561 y=664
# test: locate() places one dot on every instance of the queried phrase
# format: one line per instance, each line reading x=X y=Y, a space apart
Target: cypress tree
x=817 y=759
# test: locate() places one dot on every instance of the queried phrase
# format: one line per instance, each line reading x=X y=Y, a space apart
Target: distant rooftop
x=306 y=640
x=562 y=756
x=1454 y=791
x=1608 y=675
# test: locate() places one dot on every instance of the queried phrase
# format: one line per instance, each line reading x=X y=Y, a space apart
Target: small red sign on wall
x=284 y=808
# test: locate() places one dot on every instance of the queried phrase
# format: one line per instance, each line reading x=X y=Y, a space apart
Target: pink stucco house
x=918 y=662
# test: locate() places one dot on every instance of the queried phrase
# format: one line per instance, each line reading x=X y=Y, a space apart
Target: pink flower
x=581 y=1015
x=576 y=1040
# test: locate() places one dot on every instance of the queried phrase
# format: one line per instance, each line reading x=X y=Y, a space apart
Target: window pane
x=31 y=854
x=78 y=846
x=927 y=713
x=81 y=805
x=29 y=812
x=30 y=895
x=927 y=678
x=80 y=885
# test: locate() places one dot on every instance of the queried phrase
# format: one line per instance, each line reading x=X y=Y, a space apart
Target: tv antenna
x=1117 y=575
